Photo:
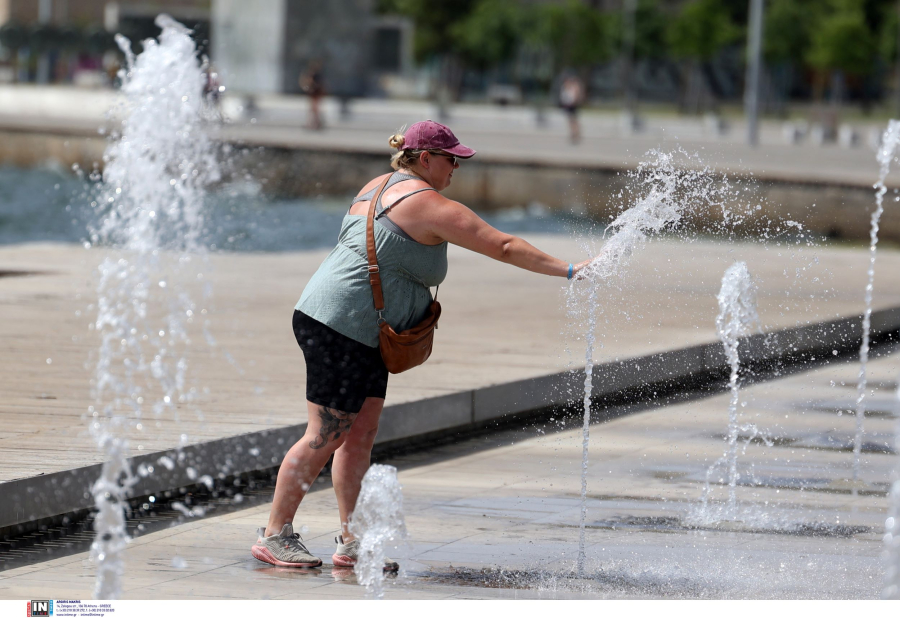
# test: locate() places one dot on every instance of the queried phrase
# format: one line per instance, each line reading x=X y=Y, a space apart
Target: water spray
x=665 y=191
x=151 y=206
x=886 y=153
x=377 y=522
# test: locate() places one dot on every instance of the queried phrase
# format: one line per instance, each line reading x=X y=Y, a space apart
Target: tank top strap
x=396 y=177
x=380 y=211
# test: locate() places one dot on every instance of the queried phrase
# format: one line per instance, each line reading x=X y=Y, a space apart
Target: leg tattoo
x=334 y=423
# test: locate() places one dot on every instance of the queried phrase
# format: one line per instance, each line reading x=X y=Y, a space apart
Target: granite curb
x=48 y=495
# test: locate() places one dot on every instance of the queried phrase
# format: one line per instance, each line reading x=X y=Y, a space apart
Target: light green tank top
x=339 y=294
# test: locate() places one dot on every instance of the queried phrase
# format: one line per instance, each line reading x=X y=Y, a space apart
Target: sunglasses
x=453 y=158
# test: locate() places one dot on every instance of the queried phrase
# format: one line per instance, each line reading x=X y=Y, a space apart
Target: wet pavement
x=496 y=515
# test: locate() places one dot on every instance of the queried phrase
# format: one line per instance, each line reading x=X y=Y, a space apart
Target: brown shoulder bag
x=410 y=348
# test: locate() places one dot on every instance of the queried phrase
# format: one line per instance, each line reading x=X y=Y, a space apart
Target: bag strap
x=374 y=274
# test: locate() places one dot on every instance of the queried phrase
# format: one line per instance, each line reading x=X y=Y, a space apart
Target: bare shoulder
x=449 y=219
x=438 y=207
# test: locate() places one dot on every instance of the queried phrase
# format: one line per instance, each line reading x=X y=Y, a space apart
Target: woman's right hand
x=578 y=272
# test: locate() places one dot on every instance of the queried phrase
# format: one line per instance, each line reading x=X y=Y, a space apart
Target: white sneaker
x=347 y=554
x=283 y=549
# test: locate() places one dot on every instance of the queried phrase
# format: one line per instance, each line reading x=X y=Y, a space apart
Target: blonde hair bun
x=397 y=141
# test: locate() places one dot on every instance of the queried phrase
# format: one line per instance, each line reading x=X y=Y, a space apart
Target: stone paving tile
x=522 y=514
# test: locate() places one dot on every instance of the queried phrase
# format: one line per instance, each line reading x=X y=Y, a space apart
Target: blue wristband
x=571 y=268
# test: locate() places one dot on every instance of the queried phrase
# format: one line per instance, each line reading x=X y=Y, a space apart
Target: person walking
x=337 y=325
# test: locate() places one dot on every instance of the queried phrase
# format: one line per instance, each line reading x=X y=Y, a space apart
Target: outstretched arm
x=457 y=224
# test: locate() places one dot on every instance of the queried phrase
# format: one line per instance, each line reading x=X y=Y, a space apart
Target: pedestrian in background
x=313 y=85
x=571 y=96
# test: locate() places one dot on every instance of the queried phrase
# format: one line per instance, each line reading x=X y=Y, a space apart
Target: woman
x=335 y=323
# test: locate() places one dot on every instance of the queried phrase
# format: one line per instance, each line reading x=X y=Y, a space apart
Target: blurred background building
x=260 y=46
x=267 y=46
x=71 y=41
x=686 y=53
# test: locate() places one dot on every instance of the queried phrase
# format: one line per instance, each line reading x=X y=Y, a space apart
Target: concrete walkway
x=505 y=135
x=497 y=516
x=503 y=339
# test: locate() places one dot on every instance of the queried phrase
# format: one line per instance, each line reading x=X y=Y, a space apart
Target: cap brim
x=463 y=152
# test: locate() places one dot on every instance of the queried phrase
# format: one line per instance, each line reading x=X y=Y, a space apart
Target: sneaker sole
x=346 y=561
x=264 y=555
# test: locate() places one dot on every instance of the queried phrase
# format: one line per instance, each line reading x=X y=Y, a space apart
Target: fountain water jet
x=151 y=204
x=892 y=523
x=377 y=521
x=586 y=428
x=886 y=153
x=737 y=318
x=665 y=191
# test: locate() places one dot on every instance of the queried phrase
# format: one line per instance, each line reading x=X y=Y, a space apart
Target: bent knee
x=364 y=433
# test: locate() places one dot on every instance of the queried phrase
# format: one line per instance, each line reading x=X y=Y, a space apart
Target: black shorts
x=340 y=372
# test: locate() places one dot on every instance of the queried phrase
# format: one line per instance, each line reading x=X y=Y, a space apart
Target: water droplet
x=167 y=462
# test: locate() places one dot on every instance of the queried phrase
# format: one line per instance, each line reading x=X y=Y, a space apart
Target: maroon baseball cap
x=431 y=135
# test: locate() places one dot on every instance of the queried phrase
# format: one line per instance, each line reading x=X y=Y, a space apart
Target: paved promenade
x=508 y=134
x=497 y=516
x=503 y=332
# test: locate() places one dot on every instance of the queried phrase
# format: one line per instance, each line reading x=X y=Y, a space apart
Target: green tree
x=435 y=23
x=842 y=40
x=577 y=35
x=841 y=43
x=701 y=29
x=490 y=34
x=888 y=33
x=435 y=30
x=649 y=30
x=785 y=42
x=787 y=30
